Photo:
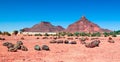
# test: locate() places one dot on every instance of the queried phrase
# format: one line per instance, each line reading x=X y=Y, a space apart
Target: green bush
x=6 y=33
x=38 y=35
x=114 y=35
x=0 y=32
x=63 y=33
x=106 y=34
x=46 y=34
x=76 y=34
x=69 y=34
x=15 y=32
x=83 y=34
x=96 y=34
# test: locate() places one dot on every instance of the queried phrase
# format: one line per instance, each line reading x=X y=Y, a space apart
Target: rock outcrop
x=84 y=25
x=44 y=27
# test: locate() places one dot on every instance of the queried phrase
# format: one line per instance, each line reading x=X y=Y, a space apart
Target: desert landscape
x=106 y=52
x=59 y=31
x=82 y=41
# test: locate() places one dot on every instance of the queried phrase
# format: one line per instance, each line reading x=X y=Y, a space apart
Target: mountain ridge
x=82 y=25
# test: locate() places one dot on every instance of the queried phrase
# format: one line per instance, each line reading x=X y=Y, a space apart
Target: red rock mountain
x=44 y=27
x=84 y=25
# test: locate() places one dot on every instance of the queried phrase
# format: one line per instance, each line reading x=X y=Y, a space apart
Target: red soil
x=106 y=52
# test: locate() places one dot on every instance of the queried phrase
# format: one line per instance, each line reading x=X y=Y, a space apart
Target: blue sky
x=18 y=14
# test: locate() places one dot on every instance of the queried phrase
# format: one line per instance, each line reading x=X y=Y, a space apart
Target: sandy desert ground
x=106 y=52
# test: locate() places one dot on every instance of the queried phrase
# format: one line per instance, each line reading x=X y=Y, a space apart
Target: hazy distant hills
x=82 y=25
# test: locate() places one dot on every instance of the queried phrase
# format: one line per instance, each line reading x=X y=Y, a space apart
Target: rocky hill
x=84 y=25
x=44 y=27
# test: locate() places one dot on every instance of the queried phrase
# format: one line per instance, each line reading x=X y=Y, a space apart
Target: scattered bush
x=15 y=32
x=76 y=34
x=83 y=34
x=106 y=34
x=46 y=34
x=69 y=34
x=98 y=34
x=6 y=33
x=0 y=32
x=38 y=35
x=114 y=35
